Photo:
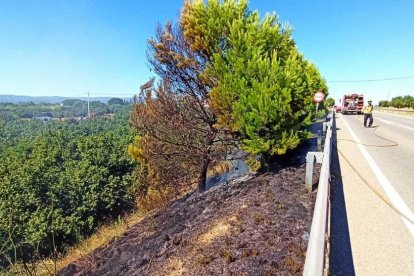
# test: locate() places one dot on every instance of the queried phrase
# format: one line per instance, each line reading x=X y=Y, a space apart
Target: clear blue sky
x=66 y=48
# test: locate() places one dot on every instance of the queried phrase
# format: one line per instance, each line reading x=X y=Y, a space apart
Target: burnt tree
x=179 y=139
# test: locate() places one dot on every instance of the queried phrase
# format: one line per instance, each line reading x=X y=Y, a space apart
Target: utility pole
x=89 y=111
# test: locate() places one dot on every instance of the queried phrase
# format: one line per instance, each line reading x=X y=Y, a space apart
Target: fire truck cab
x=352 y=103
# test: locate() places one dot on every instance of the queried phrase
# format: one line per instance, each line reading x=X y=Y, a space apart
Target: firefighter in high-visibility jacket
x=367 y=110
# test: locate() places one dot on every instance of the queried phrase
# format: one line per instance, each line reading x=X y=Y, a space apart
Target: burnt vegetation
x=228 y=84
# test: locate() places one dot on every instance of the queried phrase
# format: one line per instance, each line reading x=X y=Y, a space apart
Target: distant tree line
x=67 y=109
x=399 y=102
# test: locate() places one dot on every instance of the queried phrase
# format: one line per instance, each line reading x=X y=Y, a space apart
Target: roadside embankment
x=258 y=225
x=402 y=111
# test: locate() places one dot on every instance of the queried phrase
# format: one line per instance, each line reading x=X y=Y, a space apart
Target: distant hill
x=46 y=99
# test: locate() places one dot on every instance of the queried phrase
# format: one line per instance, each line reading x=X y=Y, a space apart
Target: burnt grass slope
x=253 y=225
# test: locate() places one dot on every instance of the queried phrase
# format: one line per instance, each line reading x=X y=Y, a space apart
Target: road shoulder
x=380 y=242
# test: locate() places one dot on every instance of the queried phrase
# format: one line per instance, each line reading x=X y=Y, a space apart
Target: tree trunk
x=205 y=161
x=202 y=178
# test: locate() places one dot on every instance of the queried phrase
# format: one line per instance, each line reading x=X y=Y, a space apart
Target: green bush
x=329 y=102
x=63 y=181
x=401 y=102
x=383 y=103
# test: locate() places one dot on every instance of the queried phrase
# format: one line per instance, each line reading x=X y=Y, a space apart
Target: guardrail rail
x=319 y=233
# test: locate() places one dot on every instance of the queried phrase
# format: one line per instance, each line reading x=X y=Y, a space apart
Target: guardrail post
x=311 y=157
x=319 y=140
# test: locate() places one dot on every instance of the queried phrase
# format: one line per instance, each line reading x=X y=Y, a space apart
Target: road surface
x=367 y=233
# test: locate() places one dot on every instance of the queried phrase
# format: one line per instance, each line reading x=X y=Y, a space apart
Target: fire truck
x=352 y=103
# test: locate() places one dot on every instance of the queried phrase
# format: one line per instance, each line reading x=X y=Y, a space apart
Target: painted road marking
x=392 y=123
x=392 y=194
x=409 y=117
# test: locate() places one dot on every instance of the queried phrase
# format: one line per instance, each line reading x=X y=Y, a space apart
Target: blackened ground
x=254 y=225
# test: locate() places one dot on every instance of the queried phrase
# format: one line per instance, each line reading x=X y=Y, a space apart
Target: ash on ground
x=252 y=225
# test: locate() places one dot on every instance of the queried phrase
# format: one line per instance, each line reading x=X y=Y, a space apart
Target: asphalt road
x=368 y=237
x=395 y=162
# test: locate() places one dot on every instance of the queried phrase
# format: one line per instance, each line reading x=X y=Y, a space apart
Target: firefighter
x=367 y=110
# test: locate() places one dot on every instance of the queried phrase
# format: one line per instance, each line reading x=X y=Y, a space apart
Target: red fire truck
x=352 y=103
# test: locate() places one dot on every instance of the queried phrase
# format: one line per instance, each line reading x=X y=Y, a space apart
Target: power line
x=114 y=94
x=372 y=80
x=81 y=95
x=84 y=95
x=77 y=95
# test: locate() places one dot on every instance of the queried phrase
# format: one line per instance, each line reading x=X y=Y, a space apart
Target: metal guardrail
x=315 y=254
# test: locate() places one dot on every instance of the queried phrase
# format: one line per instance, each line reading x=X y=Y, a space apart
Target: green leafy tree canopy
x=263 y=86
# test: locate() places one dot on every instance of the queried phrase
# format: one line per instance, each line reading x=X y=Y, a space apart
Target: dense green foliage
x=115 y=101
x=229 y=82
x=383 y=103
x=330 y=102
x=263 y=87
x=59 y=180
x=399 y=102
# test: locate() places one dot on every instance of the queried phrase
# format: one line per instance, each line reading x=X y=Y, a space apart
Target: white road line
x=392 y=123
x=385 y=121
x=409 y=117
x=392 y=194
